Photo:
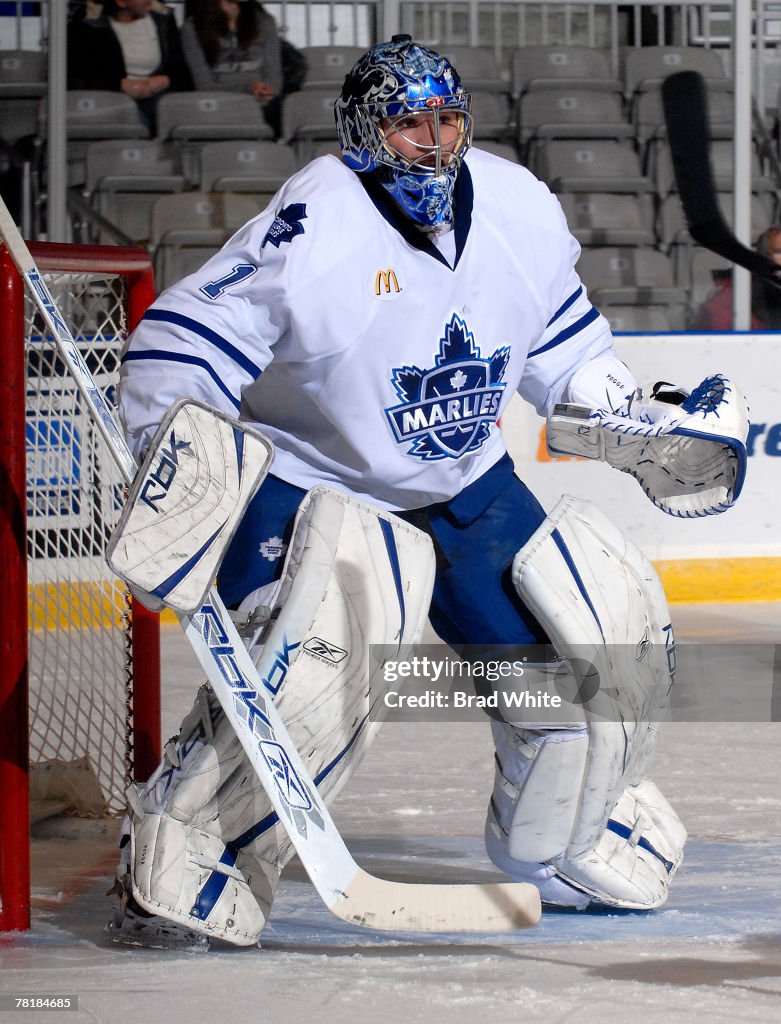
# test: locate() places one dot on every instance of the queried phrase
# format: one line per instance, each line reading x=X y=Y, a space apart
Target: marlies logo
x=272 y=548
x=286 y=225
x=325 y=651
x=386 y=284
x=448 y=411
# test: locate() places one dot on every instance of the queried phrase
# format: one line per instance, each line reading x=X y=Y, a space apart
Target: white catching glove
x=687 y=450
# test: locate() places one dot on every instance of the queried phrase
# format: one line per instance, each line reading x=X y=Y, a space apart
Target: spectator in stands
x=715 y=314
x=234 y=45
x=132 y=48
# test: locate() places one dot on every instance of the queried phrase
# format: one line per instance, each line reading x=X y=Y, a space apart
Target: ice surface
x=415 y=811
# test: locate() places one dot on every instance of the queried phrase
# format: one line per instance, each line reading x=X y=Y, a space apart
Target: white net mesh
x=80 y=654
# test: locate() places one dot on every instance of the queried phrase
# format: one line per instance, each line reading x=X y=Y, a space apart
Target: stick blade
x=422 y=907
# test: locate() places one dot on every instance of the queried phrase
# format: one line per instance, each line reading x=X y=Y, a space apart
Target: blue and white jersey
x=375 y=364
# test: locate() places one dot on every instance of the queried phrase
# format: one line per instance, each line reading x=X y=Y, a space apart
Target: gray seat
x=23 y=73
x=721 y=159
x=138 y=165
x=637 y=319
x=543 y=67
x=124 y=178
x=492 y=116
x=591 y=166
x=245 y=166
x=100 y=114
x=206 y=116
x=571 y=114
x=628 y=275
x=502 y=149
x=477 y=67
x=188 y=228
x=327 y=66
x=647 y=66
x=648 y=116
x=92 y=114
x=22 y=84
x=307 y=118
x=631 y=276
x=603 y=218
x=672 y=222
x=192 y=119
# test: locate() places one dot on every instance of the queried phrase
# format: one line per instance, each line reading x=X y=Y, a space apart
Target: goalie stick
x=685 y=101
x=348 y=891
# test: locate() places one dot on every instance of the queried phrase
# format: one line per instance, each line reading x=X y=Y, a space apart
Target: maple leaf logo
x=287 y=225
x=458 y=380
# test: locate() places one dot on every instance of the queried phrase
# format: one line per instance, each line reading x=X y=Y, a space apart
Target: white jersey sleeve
x=209 y=336
x=576 y=334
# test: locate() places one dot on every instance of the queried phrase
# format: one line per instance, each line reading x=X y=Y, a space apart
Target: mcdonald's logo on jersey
x=386 y=284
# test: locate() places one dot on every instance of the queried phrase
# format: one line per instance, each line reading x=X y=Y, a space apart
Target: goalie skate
x=130 y=928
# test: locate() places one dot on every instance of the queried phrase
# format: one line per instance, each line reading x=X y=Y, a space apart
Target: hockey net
x=92 y=690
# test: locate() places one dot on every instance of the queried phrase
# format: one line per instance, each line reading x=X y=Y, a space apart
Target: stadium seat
x=23 y=76
x=101 y=114
x=124 y=177
x=571 y=114
x=721 y=160
x=492 y=116
x=205 y=116
x=478 y=68
x=188 y=228
x=245 y=166
x=672 y=229
x=647 y=66
x=603 y=218
x=308 y=117
x=543 y=67
x=652 y=320
x=632 y=276
x=590 y=166
x=561 y=67
x=328 y=65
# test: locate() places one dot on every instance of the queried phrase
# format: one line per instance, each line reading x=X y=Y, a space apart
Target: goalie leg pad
x=601 y=603
x=207 y=846
x=540 y=776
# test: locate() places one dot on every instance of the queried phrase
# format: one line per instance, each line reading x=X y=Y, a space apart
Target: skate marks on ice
x=725 y=891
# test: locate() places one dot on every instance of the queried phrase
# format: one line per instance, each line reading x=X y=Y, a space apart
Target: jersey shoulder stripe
x=568 y=332
x=179 y=320
x=178 y=357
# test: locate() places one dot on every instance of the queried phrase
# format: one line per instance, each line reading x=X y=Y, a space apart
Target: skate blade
x=157 y=938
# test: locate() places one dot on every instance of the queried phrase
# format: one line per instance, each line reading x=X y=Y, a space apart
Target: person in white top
x=374 y=321
x=133 y=47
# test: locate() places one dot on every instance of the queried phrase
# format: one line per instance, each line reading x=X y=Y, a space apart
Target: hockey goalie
x=367 y=330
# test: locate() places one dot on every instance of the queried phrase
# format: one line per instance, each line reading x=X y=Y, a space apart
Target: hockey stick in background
x=348 y=891
x=685 y=103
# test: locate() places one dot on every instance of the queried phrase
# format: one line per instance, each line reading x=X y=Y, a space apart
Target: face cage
x=390 y=157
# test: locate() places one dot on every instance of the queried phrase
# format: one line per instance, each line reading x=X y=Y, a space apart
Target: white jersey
x=375 y=366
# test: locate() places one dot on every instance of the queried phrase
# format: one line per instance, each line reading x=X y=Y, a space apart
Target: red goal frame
x=134 y=265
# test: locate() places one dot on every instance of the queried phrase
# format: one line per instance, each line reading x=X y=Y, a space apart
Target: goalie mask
x=404 y=115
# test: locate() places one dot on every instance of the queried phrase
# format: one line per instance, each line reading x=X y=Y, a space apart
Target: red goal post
x=79 y=660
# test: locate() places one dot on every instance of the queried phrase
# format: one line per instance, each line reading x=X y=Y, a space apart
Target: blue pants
x=475 y=535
